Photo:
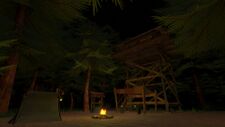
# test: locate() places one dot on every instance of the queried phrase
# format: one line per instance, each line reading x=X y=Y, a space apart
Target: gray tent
x=38 y=107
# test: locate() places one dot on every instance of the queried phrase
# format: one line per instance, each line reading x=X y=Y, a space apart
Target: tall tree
x=198 y=27
x=8 y=77
x=4 y=45
x=94 y=55
x=34 y=22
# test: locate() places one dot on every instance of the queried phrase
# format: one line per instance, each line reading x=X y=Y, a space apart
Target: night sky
x=133 y=19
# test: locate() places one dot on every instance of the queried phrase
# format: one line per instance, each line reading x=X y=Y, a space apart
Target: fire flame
x=102 y=112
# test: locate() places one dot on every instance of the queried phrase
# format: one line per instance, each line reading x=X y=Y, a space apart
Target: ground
x=132 y=119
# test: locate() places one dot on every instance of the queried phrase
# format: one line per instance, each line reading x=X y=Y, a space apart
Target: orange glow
x=102 y=112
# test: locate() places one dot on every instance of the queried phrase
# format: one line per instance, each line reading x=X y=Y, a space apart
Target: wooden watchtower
x=147 y=58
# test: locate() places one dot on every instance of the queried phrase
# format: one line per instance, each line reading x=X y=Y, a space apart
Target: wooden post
x=164 y=88
x=155 y=99
x=174 y=87
x=165 y=96
x=143 y=97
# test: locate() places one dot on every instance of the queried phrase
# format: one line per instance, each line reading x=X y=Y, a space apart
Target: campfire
x=102 y=115
x=102 y=112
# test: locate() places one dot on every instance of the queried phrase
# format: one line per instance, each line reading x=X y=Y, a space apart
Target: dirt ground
x=132 y=119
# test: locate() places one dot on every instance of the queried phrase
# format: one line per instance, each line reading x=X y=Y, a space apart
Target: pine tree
x=35 y=22
x=198 y=25
x=93 y=56
x=198 y=29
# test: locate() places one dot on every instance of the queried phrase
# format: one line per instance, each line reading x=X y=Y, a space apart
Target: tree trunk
x=20 y=19
x=86 y=91
x=7 y=81
x=8 y=78
x=33 y=84
x=71 y=101
x=199 y=93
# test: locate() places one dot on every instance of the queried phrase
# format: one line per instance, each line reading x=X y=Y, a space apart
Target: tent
x=38 y=107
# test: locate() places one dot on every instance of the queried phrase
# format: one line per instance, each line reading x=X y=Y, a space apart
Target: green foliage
x=96 y=4
x=199 y=25
x=39 y=42
x=45 y=40
x=95 y=51
x=7 y=43
x=210 y=69
x=4 y=46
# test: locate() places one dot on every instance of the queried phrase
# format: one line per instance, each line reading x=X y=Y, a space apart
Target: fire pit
x=102 y=115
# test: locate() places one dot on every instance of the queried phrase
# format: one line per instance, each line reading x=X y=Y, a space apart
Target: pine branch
x=195 y=30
